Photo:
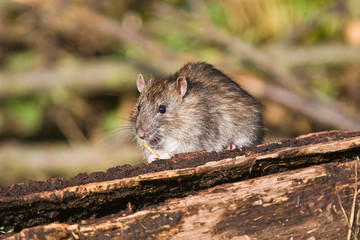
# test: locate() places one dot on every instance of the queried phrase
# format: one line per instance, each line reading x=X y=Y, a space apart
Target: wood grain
x=286 y=191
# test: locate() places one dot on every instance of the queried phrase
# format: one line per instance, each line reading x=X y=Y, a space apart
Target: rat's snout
x=140 y=133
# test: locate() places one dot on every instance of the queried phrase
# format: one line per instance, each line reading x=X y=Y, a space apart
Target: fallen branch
x=324 y=54
x=295 y=204
x=321 y=113
x=91 y=76
x=96 y=199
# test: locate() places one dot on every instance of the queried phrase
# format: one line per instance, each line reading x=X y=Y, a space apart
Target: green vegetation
x=5 y=232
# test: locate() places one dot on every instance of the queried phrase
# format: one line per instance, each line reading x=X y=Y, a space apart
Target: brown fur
x=214 y=113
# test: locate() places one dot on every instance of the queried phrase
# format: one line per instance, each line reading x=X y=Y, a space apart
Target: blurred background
x=68 y=70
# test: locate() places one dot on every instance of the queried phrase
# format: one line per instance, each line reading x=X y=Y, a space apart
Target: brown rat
x=196 y=108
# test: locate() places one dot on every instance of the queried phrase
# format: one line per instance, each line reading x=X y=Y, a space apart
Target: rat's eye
x=139 y=107
x=162 y=109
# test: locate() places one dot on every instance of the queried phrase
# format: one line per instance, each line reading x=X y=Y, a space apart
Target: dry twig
x=152 y=152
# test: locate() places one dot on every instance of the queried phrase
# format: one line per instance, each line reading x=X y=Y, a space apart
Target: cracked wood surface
x=100 y=206
x=302 y=203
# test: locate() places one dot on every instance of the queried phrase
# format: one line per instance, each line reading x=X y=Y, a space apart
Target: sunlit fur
x=214 y=113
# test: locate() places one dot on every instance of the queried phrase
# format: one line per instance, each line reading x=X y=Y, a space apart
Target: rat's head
x=156 y=113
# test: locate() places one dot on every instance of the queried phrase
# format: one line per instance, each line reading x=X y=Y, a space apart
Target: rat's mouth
x=154 y=142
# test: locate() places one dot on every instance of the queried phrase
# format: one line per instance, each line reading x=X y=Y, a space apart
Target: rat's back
x=234 y=113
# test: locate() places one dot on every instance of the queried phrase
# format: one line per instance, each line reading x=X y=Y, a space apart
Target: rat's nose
x=141 y=133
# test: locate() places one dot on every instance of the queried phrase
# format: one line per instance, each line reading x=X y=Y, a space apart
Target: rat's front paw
x=152 y=158
x=231 y=147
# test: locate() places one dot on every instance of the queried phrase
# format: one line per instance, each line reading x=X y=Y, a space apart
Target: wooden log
x=309 y=203
x=131 y=196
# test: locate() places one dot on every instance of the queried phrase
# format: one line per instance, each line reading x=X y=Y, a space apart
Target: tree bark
x=298 y=191
x=297 y=204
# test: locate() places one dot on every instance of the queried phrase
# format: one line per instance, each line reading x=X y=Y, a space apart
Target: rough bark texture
x=301 y=204
x=298 y=188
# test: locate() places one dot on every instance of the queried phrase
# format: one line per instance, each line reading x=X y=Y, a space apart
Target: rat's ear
x=140 y=83
x=181 y=86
